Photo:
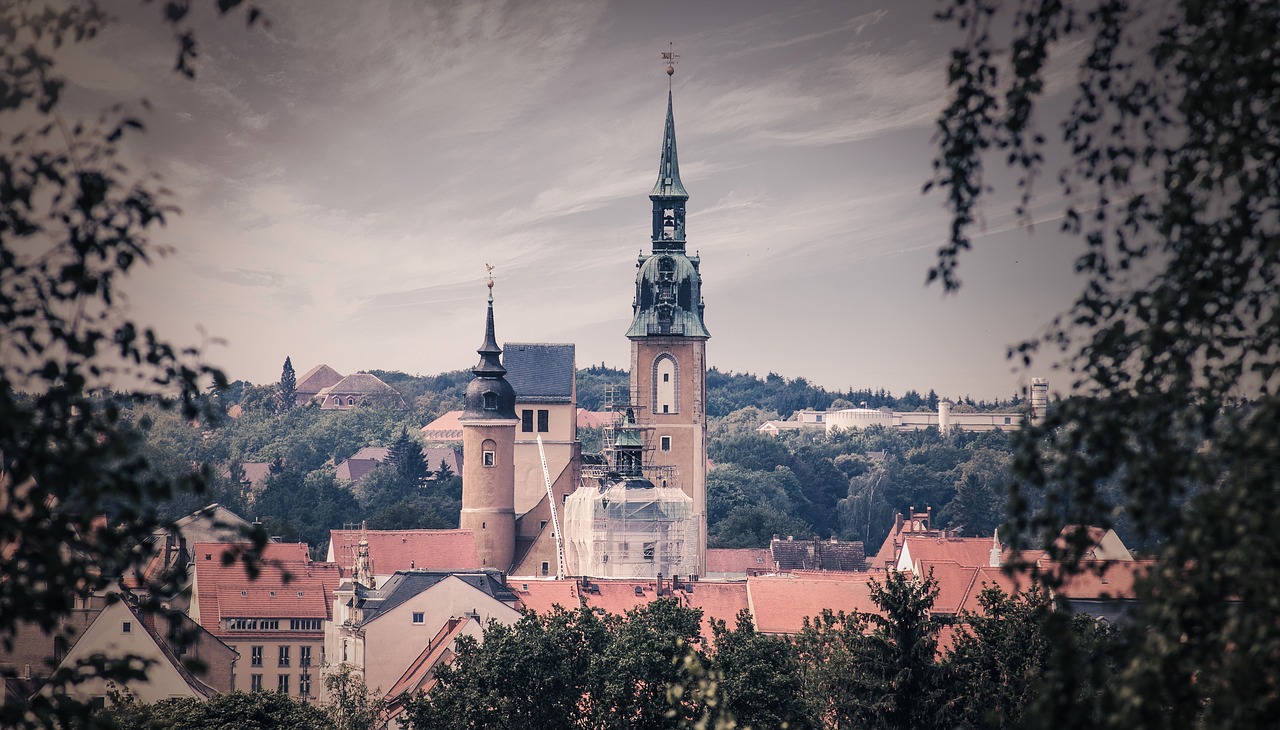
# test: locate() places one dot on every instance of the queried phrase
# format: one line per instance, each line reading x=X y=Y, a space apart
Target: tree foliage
x=232 y=711
x=1172 y=182
x=288 y=385
x=76 y=494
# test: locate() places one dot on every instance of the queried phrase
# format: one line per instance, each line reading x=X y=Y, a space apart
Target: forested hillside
x=801 y=483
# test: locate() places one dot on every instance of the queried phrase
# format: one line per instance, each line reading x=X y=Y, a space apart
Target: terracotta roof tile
x=595 y=419
x=1105 y=579
x=394 y=550
x=973 y=552
x=285 y=568
x=780 y=604
x=739 y=560
x=542 y=595
x=447 y=427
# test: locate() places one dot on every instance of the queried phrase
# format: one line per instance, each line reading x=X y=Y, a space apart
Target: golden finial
x=669 y=57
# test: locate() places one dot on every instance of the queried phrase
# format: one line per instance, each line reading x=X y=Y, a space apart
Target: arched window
x=666 y=390
x=488 y=453
x=351 y=401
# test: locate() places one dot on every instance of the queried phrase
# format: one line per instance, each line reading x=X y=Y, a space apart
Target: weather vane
x=488 y=279
x=669 y=57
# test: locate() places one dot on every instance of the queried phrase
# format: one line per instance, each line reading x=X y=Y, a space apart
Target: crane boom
x=555 y=520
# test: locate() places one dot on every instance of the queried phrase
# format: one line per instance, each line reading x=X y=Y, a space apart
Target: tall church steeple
x=669 y=337
x=668 y=194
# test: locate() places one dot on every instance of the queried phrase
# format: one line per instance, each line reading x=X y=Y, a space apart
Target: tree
x=1171 y=181
x=288 y=385
x=239 y=710
x=759 y=675
x=351 y=705
x=76 y=496
x=406 y=457
x=444 y=473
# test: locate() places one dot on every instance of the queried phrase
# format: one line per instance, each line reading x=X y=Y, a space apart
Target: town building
x=274 y=620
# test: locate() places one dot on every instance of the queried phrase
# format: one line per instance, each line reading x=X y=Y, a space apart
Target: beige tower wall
x=488 y=492
x=558 y=441
x=687 y=428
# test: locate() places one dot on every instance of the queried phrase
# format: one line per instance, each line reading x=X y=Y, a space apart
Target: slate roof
x=360 y=384
x=396 y=550
x=406 y=584
x=540 y=372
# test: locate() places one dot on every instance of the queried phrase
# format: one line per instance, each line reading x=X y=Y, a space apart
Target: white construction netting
x=639 y=531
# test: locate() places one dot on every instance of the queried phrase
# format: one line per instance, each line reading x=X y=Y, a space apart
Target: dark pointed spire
x=489 y=396
x=668 y=184
x=490 y=365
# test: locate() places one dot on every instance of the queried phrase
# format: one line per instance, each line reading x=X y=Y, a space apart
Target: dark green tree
x=1171 y=181
x=759 y=675
x=238 y=710
x=444 y=473
x=76 y=494
x=406 y=458
x=288 y=385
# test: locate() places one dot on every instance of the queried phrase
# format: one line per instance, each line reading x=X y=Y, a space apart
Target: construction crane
x=555 y=520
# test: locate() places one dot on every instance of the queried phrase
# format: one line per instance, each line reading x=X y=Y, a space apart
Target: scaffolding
x=629 y=519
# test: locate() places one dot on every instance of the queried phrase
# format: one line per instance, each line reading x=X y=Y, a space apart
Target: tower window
x=666 y=395
x=526 y=421
x=488 y=458
x=546 y=568
x=544 y=421
x=491 y=401
x=665 y=443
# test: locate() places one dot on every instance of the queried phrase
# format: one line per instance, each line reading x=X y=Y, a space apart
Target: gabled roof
x=595 y=419
x=317 y=379
x=960 y=585
x=779 y=604
x=973 y=552
x=540 y=372
x=419 y=675
x=395 y=550
x=406 y=584
x=226 y=591
x=1105 y=579
x=817 y=555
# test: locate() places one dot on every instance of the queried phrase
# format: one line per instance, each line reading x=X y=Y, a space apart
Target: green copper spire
x=668 y=194
x=668 y=286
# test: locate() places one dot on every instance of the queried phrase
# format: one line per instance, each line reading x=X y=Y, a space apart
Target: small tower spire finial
x=669 y=57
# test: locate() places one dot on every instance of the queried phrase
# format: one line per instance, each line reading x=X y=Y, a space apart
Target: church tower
x=488 y=448
x=669 y=338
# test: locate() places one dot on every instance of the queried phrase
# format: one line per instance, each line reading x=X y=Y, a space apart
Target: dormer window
x=491 y=401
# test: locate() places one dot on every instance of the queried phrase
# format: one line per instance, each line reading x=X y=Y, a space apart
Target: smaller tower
x=488 y=446
x=362 y=571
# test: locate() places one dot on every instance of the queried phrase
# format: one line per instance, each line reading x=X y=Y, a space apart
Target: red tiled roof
x=973 y=552
x=543 y=595
x=393 y=550
x=960 y=585
x=293 y=600
x=447 y=427
x=780 y=604
x=285 y=568
x=739 y=560
x=1105 y=579
x=718 y=601
x=595 y=419
x=419 y=678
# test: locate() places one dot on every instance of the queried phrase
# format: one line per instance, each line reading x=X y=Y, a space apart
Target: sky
x=346 y=172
